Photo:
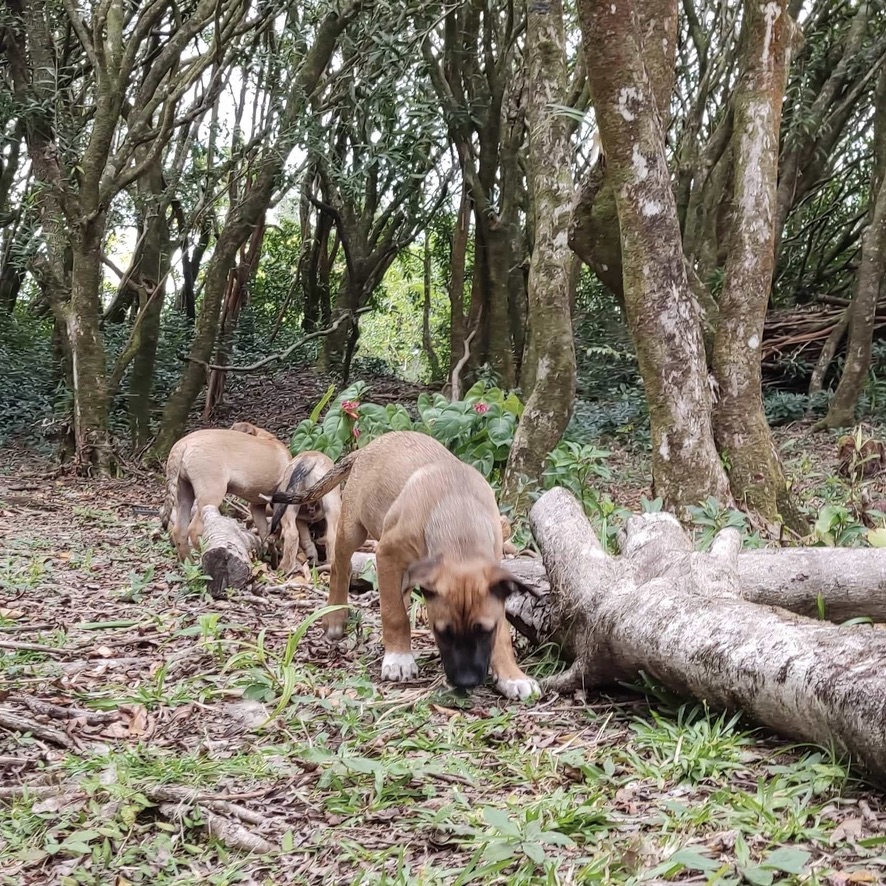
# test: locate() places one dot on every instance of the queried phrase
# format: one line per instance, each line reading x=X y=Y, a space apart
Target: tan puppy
x=306 y=469
x=438 y=526
x=206 y=465
x=303 y=470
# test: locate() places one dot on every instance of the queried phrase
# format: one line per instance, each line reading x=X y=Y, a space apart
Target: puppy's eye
x=482 y=630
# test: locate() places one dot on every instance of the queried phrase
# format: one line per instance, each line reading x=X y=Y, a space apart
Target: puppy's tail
x=323 y=486
x=296 y=479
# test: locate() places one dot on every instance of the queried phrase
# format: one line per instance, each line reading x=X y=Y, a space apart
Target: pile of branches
x=795 y=339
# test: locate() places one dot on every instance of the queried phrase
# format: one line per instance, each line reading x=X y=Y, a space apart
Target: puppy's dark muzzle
x=466 y=664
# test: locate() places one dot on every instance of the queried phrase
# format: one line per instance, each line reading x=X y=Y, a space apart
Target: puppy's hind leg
x=398 y=663
x=349 y=539
x=184 y=504
x=260 y=519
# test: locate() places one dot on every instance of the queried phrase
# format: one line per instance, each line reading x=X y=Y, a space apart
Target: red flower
x=481 y=408
x=349 y=408
x=357 y=432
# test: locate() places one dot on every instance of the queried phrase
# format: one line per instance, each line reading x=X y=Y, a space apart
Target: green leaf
x=757 y=876
x=318 y=409
x=361 y=764
x=787 y=859
x=877 y=537
x=287 y=844
x=534 y=851
x=693 y=861
x=501 y=430
x=501 y=821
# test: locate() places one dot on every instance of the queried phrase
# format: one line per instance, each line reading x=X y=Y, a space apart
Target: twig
x=282 y=355
x=37 y=791
x=21 y=629
x=61 y=712
x=228 y=832
x=32 y=647
x=17 y=723
x=455 y=378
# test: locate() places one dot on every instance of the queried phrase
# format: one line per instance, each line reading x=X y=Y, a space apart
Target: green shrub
x=478 y=429
x=29 y=389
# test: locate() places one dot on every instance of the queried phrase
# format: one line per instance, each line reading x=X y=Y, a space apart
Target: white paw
x=398 y=667
x=522 y=688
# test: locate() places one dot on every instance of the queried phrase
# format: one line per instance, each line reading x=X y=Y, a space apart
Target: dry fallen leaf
x=850 y=829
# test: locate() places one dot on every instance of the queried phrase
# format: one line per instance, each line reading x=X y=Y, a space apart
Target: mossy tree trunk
x=549 y=367
x=594 y=235
x=664 y=316
x=869 y=282
x=150 y=276
x=740 y=427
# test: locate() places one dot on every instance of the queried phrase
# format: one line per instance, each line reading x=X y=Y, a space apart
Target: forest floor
x=161 y=732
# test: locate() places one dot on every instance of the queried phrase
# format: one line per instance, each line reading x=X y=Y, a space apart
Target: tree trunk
x=427 y=341
x=841 y=411
x=678 y=617
x=227 y=552
x=594 y=234
x=549 y=370
x=87 y=349
x=457 y=261
x=664 y=316
x=740 y=427
x=151 y=274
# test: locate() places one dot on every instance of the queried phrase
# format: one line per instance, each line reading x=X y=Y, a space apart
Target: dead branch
x=17 y=723
x=282 y=355
x=228 y=832
x=455 y=378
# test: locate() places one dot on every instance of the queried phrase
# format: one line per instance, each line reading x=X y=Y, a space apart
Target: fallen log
x=227 y=552
x=677 y=615
x=838 y=583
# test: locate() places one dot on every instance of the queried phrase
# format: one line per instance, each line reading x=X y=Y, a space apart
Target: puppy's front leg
x=510 y=681
x=399 y=663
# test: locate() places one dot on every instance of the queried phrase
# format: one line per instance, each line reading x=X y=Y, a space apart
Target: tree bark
x=549 y=367
x=841 y=411
x=227 y=552
x=664 y=316
x=677 y=616
x=427 y=288
x=756 y=475
x=594 y=233
x=457 y=260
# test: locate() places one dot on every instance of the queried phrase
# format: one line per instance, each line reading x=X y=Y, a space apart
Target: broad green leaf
x=692 y=860
x=534 y=851
x=787 y=859
x=501 y=821
x=877 y=537
x=757 y=876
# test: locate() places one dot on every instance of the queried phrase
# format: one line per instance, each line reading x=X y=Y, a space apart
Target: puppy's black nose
x=466 y=679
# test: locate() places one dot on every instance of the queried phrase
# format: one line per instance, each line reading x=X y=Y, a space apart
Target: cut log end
x=227 y=552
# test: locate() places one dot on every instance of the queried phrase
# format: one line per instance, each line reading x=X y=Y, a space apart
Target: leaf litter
x=139 y=741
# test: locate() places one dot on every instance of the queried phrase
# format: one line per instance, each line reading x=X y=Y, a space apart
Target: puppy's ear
x=422 y=574
x=503 y=583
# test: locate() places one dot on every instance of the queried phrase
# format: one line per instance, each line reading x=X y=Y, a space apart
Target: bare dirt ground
x=150 y=734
